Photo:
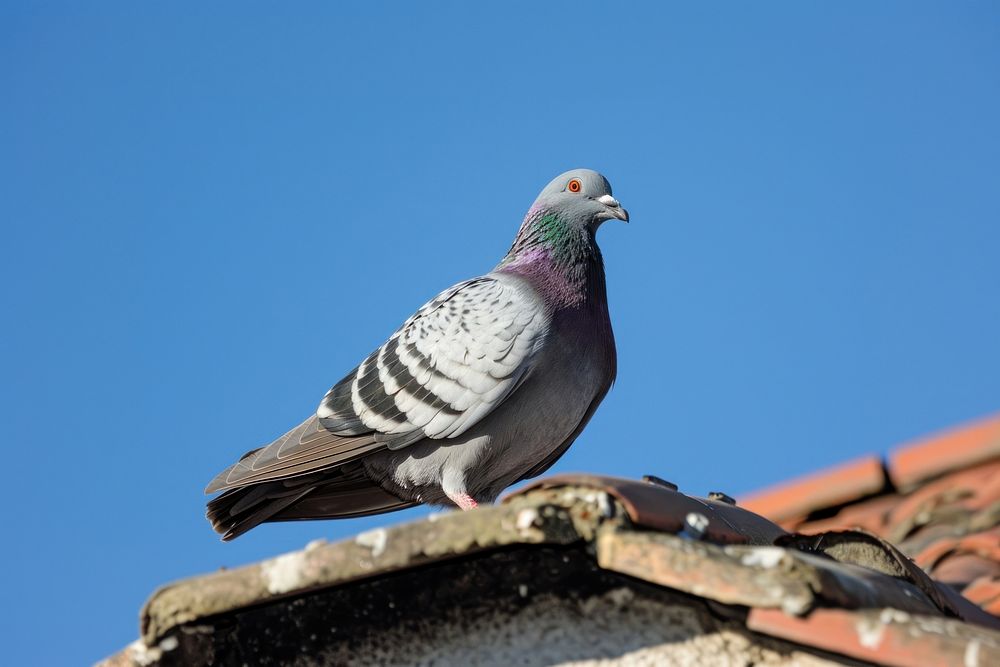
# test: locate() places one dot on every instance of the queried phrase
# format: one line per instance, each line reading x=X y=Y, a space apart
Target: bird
x=487 y=384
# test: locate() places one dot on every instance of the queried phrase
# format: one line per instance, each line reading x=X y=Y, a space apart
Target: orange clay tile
x=832 y=487
x=985 y=592
x=883 y=637
x=961 y=569
x=870 y=515
x=985 y=544
x=972 y=489
x=941 y=508
x=951 y=450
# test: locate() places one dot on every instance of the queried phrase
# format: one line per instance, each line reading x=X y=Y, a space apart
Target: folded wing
x=450 y=364
x=446 y=368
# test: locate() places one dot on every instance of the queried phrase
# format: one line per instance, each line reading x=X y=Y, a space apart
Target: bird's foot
x=464 y=501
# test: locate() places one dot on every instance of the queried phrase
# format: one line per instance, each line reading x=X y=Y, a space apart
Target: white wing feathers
x=447 y=367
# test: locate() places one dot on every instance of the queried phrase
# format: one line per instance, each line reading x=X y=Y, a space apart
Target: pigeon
x=485 y=385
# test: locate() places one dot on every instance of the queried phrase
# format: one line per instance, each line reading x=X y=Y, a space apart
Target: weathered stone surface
x=885 y=636
x=752 y=576
x=528 y=605
x=369 y=554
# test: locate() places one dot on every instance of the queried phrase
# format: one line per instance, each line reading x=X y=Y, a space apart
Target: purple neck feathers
x=560 y=258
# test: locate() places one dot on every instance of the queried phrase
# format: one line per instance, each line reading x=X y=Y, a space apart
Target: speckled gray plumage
x=486 y=384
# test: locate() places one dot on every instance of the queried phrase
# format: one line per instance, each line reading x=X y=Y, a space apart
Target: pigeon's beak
x=614 y=208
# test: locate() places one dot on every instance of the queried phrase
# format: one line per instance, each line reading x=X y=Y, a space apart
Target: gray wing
x=445 y=369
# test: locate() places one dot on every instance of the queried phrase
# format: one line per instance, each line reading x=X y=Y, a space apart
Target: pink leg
x=464 y=501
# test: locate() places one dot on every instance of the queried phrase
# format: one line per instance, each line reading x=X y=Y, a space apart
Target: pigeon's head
x=583 y=196
x=556 y=246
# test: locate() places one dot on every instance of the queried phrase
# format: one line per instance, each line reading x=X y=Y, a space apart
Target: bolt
x=695 y=525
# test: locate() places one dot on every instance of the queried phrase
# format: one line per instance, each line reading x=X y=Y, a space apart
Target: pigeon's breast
x=534 y=424
x=547 y=413
x=572 y=368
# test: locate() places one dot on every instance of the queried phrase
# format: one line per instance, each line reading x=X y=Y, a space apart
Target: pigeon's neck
x=560 y=258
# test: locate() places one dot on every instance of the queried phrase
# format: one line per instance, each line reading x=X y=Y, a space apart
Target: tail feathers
x=237 y=511
x=342 y=500
x=309 y=497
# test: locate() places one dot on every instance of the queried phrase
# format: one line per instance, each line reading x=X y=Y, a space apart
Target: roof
x=937 y=499
x=836 y=589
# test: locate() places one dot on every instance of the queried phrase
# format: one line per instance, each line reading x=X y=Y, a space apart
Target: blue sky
x=211 y=213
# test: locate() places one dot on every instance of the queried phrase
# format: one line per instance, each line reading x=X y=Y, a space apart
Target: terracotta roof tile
x=960 y=570
x=963 y=560
x=938 y=454
x=985 y=592
x=840 y=484
x=870 y=515
x=958 y=494
x=985 y=545
x=942 y=507
x=885 y=637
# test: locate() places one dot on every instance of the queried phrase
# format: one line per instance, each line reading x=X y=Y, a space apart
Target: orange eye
x=574 y=186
